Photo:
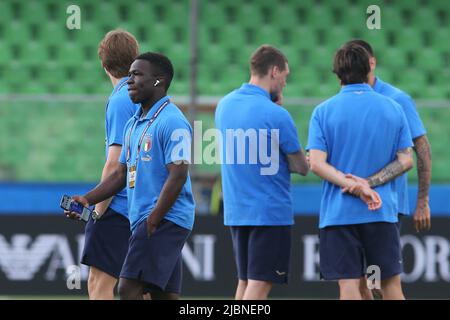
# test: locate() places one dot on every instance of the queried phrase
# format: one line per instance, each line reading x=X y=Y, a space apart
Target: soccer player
x=153 y=165
x=359 y=131
x=421 y=217
x=257 y=203
x=106 y=240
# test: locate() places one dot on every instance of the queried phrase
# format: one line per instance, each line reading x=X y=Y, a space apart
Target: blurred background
x=53 y=92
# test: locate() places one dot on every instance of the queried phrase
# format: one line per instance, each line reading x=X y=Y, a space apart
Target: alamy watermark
x=233 y=146
x=374 y=20
x=74 y=19
x=373 y=277
x=73 y=280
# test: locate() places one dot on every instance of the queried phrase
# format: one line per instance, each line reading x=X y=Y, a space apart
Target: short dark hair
x=351 y=64
x=266 y=57
x=117 y=51
x=162 y=64
x=363 y=44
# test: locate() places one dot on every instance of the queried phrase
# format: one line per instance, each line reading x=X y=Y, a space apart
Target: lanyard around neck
x=152 y=119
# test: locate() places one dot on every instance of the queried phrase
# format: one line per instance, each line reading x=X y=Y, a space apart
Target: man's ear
x=373 y=63
x=274 y=71
x=161 y=82
x=106 y=70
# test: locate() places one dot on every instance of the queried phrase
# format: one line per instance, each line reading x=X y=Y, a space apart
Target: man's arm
x=112 y=184
x=111 y=164
x=297 y=163
x=319 y=165
x=401 y=164
x=171 y=189
x=422 y=219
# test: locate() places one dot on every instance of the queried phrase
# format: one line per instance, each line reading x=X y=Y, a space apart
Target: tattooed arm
x=421 y=217
x=403 y=163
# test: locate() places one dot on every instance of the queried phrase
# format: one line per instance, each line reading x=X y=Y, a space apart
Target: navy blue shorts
x=106 y=242
x=262 y=252
x=156 y=260
x=346 y=251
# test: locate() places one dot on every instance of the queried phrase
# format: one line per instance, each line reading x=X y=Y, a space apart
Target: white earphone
x=156 y=83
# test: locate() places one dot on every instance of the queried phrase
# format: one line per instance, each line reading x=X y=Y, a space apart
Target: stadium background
x=53 y=90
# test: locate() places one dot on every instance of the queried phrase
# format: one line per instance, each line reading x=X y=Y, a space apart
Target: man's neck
x=147 y=105
x=260 y=82
x=114 y=80
x=371 y=79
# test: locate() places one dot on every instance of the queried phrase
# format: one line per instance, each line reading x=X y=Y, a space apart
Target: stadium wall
x=43 y=198
x=39 y=255
x=40 y=249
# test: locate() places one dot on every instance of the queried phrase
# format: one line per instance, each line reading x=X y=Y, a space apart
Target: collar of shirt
x=119 y=85
x=251 y=88
x=152 y=110
x=356 y=87
x=378 y=84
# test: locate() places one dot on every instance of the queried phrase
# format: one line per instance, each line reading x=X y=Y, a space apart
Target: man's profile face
x=141 y=82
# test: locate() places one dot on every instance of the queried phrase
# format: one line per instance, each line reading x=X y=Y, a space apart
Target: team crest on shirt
x=147 y=146
x=147 y=143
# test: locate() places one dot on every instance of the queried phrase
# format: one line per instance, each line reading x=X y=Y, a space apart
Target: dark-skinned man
x=154 y=168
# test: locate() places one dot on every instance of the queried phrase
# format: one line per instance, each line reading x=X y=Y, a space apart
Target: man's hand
x=370 y=197
x=75 y=215
x=151 y=225
x=361 y=189
x=279 y=99
x=422 y=217
x=357 y=179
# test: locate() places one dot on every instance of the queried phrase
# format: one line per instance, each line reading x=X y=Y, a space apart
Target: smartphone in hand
x=68 y=204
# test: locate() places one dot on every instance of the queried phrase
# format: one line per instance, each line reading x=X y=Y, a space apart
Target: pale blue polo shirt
x=167 y=140
x=415 y=126
x=119 y=110
x=250 y=197
x=361 y=131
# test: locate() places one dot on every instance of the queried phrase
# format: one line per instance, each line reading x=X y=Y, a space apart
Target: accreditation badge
x=131 y=177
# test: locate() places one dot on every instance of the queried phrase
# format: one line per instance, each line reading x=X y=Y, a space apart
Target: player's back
x=406 y=102
x=387 y=89
x=119 y=110
x=363 y=125
x=363 y=131
x=249 y=123
x=416 y=128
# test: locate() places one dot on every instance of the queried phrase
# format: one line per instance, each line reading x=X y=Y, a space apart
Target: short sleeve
x=405 y=140
x=118 y=113
x=316 y=137
x=176 y=140
x=412 y=116
x=289 y=142
x=123 y=152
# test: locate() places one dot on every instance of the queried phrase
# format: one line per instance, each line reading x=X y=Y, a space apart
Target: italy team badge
x=147 y=147
x=147 y=143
